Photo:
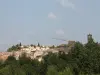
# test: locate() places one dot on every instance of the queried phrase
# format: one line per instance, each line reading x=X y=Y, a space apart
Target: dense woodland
x=83 y=59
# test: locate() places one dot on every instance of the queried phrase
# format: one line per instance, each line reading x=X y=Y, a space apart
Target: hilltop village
x=37 y=51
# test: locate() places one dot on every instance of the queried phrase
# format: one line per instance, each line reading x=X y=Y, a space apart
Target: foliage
x=52 y=70
x=82 y=59
x=14 y=48
x=38 y=45
x=67 y=71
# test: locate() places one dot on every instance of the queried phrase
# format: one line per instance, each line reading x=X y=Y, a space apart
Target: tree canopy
x=14 y=48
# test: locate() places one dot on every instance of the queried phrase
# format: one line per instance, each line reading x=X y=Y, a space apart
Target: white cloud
x=60 y=32
x=66 y=3
x=51 y=15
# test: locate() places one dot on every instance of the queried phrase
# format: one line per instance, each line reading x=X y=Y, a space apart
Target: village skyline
x=36 y=21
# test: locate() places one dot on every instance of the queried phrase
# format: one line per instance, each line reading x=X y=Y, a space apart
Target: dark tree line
x=14 y=47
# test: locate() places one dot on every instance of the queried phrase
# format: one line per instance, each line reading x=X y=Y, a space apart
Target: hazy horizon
x=33 y=21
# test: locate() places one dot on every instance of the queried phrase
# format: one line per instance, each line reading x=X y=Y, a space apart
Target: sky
x=33 y=21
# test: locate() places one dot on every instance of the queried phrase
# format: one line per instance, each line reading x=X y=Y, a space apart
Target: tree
x=52 y=71
x=20 y=44
x=38 y=45
x=67 y=71
x=29 y=69
x=76 y=56
x=23 y=59
x=10 y=58
x=31 y=45
x=14 y=48
x=85 y=58
x=54 y=59
x=52 y=46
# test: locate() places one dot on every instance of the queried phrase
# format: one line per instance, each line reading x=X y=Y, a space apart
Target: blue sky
x=33 y=21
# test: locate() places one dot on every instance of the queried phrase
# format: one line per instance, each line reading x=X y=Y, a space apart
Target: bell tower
x=89 y=38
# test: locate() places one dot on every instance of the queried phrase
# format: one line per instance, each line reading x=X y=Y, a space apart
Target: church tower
x=89 y=38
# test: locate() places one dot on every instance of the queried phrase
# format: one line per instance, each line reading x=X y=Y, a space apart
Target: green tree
x=52 y=71
x=23 y=59
x=38 y=45
x=67 y=71
x=10 y=60
x=20 y=44
x=14 y=48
